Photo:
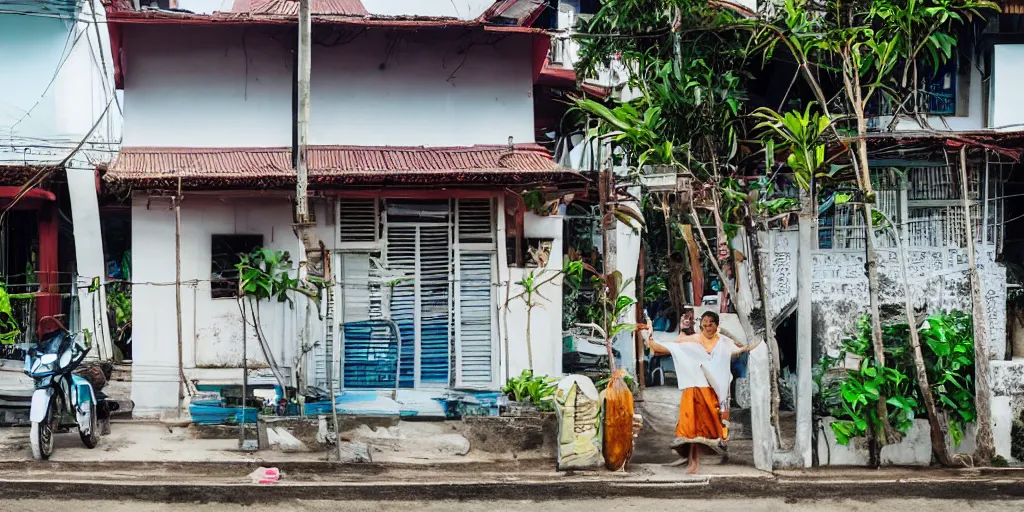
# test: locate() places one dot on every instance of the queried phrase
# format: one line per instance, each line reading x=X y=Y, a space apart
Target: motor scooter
x=61 y=399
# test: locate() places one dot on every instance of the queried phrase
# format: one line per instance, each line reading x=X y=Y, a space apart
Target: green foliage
x=640 y=132
x=655 y=288
x=948 y=349
x=688 y=60
x=602 y=383
x=119 y=301
x=263 y=275
x=950 y=361
x=873 y=45
x=9 y=329
x=802 y=134
x=527 y=388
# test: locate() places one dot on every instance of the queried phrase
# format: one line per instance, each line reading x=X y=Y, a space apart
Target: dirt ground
x=613 y=505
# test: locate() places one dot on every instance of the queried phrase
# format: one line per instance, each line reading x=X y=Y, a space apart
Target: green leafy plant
x=264 y=275
x=950 y=340
x=655 y=289
x=9 y=329
x=528 y=388
x=948 y=352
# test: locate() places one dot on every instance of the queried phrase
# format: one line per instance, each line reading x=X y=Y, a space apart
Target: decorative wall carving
x=939 y=281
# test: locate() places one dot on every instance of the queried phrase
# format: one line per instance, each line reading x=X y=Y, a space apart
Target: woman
x=702 y=362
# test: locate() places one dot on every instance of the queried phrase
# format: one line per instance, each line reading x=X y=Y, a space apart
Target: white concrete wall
x=1007 y=74
x=938 y=280
x=546 y=320
x=211 y=328
x=231 y=86
x=58 y=81
x=461 y=9
x=627 y=258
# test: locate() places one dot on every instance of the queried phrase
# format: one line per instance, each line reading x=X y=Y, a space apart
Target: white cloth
x=695 y=368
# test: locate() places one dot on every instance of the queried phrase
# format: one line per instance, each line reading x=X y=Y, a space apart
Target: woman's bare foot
x=694 y=465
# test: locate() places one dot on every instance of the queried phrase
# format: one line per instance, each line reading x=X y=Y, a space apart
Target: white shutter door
x=402 y=258
x=476 y=314
x=476 y=318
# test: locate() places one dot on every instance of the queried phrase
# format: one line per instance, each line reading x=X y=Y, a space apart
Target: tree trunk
x=936 y=421
x=985 y=450
x=885 y=430
x=763 y=285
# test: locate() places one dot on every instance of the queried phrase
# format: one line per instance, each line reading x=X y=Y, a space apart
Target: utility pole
x=303 y=227
x=301 y=175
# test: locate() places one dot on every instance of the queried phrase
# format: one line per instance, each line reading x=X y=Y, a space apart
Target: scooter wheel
x=41 y=436
x=93 y=438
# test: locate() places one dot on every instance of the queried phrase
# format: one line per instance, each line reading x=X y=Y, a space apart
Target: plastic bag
x=577 y=407
x=618 y=423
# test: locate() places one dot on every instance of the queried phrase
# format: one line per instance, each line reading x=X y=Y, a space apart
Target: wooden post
x=982 y=390
x=177 y=295
x=245 y=370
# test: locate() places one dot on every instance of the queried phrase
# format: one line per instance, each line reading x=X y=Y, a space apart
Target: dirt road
x=615 y=505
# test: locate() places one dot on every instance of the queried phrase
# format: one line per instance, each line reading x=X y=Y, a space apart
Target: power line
x=64 y=58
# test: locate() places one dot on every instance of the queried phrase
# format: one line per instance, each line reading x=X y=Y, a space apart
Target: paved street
x=614 y=505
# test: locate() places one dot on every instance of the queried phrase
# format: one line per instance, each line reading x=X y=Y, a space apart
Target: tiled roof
x=565 y=78
x=515 y=12
x=291 y=7
x=18 y=174
x=332 y=166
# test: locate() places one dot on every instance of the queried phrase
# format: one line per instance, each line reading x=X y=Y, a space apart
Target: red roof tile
x=517 y=12
x=332 y=166
x=565 y=78
x=291 y=7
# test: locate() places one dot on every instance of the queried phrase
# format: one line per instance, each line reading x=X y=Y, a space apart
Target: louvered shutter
x=402 y=258
x=476 y=311
x=435 y=262
x=357 y=222
x=419 y=244
x=369 y=352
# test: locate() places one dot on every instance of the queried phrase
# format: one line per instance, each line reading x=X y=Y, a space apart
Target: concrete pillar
x=85 y=214
x=759 y=373
x=804 y=388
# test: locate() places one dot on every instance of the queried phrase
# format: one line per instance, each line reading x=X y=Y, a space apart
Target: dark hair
x=712 y=315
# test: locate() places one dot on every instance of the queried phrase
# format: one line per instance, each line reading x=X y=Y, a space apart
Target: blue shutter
x=435 y=258
x=402 y=258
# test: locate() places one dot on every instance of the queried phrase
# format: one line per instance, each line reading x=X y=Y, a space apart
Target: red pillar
x=48 y=301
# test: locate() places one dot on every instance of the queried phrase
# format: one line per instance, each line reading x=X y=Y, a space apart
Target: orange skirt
x=700 y=420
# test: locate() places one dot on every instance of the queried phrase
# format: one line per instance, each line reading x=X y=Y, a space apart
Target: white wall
x=58 y=82
x=194 y=87
x=211 y=328
x=462 y=9
x=546 y=319
x=1007 y=75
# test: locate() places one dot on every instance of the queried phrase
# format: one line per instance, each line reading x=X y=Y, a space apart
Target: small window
x=226 y=253
x=536 y=252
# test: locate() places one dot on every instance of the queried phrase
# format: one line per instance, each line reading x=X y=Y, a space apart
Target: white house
x=59 y=117
x=422 y=136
